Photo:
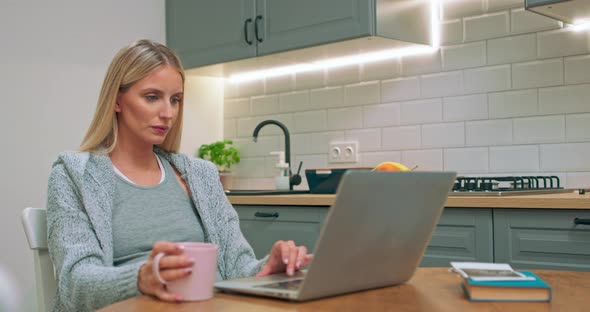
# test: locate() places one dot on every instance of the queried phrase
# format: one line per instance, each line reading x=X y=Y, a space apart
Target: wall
x=53 y=58
x=508 y=93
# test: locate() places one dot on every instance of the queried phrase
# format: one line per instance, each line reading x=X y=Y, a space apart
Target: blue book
x=526 y=290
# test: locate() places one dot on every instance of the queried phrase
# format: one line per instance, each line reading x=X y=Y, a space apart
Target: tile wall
x=508 y=93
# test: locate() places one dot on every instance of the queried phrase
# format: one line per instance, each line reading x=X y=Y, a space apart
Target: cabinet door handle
x=258 y=36
x=266 y=214
x=248 y=41
x=582 y=221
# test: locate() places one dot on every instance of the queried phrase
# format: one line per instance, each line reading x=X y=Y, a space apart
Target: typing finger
x=302 y=252
x=293 y=253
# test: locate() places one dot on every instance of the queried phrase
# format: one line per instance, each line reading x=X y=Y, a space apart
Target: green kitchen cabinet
x=542 y=239
x=264 y=225
x=462 y=234
x=214 y=31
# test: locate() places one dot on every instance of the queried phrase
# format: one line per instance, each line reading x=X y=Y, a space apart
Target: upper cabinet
x=208 y=32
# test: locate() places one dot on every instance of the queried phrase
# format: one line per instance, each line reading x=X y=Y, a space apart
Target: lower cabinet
x=462 y=234
x=264 y=225
x=542 y=239
x=524 y=238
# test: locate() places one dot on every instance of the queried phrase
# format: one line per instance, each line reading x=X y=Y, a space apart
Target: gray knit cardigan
x=79 y=229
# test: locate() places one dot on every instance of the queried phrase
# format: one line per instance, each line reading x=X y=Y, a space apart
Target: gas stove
x=508 y=185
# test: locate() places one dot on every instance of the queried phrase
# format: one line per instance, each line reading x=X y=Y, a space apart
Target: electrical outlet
x=343 y=152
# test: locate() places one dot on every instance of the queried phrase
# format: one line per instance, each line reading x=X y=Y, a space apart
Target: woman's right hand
x=173 y=265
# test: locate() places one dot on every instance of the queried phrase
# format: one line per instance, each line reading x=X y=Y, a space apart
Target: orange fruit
x=390 y=166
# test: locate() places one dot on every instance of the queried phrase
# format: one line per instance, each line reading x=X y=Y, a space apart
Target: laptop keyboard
x=287 y=285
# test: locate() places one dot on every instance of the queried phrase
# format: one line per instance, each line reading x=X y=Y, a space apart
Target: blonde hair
x=130 y=65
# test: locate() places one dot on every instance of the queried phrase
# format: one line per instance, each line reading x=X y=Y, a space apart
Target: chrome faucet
x=294 y=179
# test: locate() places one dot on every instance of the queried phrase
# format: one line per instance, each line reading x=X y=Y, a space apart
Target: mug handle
x=156 y=267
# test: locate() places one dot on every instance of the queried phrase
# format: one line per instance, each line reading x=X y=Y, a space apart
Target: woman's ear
x=117 y=103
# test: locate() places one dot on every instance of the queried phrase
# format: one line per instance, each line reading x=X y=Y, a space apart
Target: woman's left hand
x=285 y=257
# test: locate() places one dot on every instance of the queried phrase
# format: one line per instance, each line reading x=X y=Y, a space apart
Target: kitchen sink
x=263 y=192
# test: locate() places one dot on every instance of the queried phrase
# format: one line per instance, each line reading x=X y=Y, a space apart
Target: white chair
x=35 y=225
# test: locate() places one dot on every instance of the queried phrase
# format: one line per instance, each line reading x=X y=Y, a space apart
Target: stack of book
x=499 y=282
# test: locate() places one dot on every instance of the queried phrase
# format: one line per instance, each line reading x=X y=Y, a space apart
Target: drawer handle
x=248 y=41
x=266 y=214
x=258 y=36
x=582 y=221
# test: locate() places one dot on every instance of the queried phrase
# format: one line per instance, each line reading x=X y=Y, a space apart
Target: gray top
x=80 y=197
x=144 y=215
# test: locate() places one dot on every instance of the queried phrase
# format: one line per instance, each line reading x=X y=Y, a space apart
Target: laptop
x=374 y=236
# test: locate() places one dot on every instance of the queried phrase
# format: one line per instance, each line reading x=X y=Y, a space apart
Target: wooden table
x=431 y=289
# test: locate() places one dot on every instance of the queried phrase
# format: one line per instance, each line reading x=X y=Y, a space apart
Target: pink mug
x=198 y=285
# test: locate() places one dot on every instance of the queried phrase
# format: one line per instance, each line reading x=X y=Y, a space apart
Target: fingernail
x=290 y=271
x=286 y=260
x=298 y=264
x=189 y=270
x=181 y=247
x=191 y=260
x=179 y=298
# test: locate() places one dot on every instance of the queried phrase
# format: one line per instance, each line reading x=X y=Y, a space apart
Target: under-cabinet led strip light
x=351 y=60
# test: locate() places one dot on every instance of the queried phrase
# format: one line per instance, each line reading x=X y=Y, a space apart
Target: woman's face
x=149 y=108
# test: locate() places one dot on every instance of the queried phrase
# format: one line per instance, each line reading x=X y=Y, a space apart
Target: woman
x=127 y=195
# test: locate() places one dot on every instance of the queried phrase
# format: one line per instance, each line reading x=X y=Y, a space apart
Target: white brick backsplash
x=563 y=42
x=311 y=162
x=546 y=129
x=230 y=90
x=250 y=88
x=466 y=160
x=464 y=55
x=452 y=9
x=523 y=21
x=400 y=89
x=229 y=128
x=488 y=132
x=577 y=69
x=300 y=142
x=578 y=180
x=426 y=160
x=442 y=84
x=486 y=26
x=344 y=118
x=250 y=167
x=543 y=73
x=566 y=99
x=369 y=139
x=320 y=142
x=362 y=93
x=263 y=146
x=451 y=31
x=236 y=108
x=326 y=97
x=421 y=111
x=443 y=135
x=264 y=105
x=382 y=115
x=311 y=79
x=577 y=127
x=524 y=158
x=399 y=138
x=496 y=5
x=280 y=84
x=513 y=103
x=470 y=107
x=487 y=79
x=343 y=75
x=314 y=143
x=381 y=70
x=565 y=157
x=310 y=121
x=246 y=125
x=421 y=64
x=295 y=101
x=512 y=49
x=372 y=159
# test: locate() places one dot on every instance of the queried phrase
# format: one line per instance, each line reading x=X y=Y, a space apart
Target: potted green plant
x=223 y=154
